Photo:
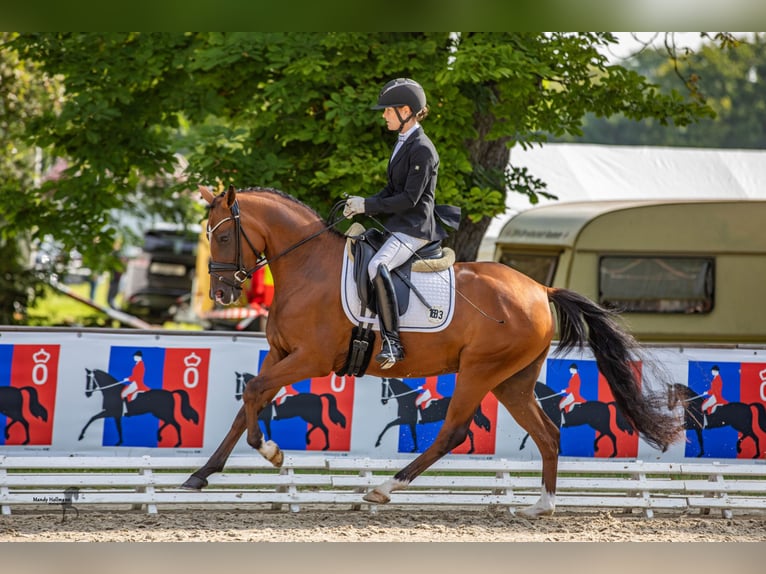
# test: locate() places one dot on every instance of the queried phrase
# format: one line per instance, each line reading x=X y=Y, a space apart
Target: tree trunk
x=490 y=160
x=467 y=240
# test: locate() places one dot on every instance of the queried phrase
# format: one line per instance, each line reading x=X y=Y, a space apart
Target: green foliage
x=292 y=111
x=725 y=79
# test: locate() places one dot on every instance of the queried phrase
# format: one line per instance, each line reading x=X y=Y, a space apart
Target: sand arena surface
x=389 y=524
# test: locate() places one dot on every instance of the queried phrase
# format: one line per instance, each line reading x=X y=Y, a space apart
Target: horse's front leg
x=261 y=390
x=95 y=417
x=218 y=459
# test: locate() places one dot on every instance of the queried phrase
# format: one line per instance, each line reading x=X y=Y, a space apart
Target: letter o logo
x=191 y=377
x=40 y=374
x=338 y=384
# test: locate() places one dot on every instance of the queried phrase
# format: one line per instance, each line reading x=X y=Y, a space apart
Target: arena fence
x=152 y=483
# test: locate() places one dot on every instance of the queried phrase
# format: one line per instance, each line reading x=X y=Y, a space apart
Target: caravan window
x=539 y=267
x=657 y=284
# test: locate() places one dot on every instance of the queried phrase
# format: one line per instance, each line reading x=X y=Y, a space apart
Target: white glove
x=354 y=206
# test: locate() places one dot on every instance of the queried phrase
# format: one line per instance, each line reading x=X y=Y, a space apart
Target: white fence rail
x=304 y=480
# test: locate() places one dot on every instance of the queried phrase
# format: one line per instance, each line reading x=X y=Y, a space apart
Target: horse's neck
x=103 y=377
x=287 y=224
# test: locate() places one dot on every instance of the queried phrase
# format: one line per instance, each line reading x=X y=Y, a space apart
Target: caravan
x=680 y=271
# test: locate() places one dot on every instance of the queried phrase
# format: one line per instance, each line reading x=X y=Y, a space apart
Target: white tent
x=581 y=172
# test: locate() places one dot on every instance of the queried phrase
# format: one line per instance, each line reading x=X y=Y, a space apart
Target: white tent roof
x=581 y=172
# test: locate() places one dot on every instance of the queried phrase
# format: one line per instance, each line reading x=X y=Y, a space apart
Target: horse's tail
x=188 y=411
x=332 y=409
x=35 y=406
x=580 y=320
x=620 y=422
x=481 y=420
x=760 y=413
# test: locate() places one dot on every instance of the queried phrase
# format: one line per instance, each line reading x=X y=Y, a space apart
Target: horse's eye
x=223 y=238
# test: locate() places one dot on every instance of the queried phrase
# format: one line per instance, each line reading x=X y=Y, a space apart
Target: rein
x=92 y=385
x=240 y=272
x=392 y=396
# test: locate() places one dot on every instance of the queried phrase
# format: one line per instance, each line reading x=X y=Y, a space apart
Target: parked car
x=160 y=276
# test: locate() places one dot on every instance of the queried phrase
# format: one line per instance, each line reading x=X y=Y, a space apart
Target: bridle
x=240 y=272
x=92 y=385
x=387 y=392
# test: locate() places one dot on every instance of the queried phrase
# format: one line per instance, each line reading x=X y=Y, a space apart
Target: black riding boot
x=388 y=310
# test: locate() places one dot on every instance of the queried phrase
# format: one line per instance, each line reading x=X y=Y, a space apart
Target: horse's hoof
x=535 y=511
x=271 y=452
x=376 y=497
x=194 y=483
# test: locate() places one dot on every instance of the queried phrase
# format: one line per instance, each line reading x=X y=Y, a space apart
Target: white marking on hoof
x=270 y=451
x=381 y=494
x=543 y=507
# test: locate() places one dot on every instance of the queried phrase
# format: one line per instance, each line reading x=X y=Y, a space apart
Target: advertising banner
x=131 y=393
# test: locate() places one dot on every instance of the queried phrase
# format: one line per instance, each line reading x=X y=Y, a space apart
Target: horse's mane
x=287 y=197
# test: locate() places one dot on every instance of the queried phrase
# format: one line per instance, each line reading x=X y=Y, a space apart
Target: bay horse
x=12 y=406
x=742 y=417
x=598 y=415
x=157 y=402
x=498 y=340
x=308 y=406
x=407 y=411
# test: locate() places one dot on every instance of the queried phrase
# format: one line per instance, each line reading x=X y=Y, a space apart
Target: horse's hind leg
x=517 y=395
x=217 y=460
x=465 y=401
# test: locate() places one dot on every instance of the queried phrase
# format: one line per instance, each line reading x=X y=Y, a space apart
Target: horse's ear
x=231 y=196
x=206 y=194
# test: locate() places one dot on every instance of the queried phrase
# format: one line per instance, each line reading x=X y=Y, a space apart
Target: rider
x=407 y=200
x=715 y=398
x=282 y=395
x=573 y=396
x=134 y=383
x=428 y=394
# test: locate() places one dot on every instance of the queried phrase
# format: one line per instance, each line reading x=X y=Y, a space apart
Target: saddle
x=363 y=244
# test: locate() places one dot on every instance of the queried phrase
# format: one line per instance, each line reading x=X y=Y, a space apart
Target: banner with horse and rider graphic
x=112 y=393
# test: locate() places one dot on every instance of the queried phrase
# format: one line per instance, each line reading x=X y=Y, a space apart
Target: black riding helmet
x=402 y=92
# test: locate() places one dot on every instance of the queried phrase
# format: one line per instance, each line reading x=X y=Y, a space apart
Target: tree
x=292 y=111
x=26 y=93
x=729 y=79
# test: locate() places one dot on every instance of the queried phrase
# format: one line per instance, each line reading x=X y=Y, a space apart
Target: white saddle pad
x=438 y=288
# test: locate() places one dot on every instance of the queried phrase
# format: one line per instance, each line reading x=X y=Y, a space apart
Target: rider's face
x=393 y=123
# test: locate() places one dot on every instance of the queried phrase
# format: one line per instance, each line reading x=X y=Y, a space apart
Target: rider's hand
x=354 y=206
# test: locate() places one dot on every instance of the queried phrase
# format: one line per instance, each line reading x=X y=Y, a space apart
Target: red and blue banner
x=428 y=416
x=313 y=414
x=728 y=402
x=28 y=382
x=578 y=399
x=171 y=411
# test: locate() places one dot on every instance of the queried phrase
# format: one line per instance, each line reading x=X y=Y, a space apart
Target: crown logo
x=192 y=360
x=41 y=356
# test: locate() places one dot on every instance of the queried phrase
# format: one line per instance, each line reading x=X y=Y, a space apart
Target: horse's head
x=242 y=379
x=98 y=380
x=231 y=262
x=677 y=395
x=386 y=392
x=90 y=382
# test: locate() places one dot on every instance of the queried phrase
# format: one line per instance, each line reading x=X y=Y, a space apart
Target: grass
x=56 y=309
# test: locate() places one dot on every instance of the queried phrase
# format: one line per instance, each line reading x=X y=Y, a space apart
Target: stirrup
x=388 y=357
